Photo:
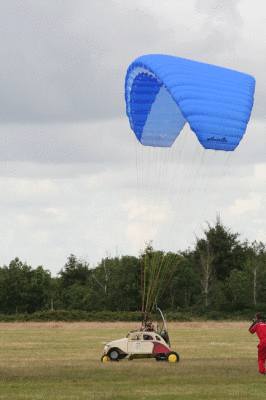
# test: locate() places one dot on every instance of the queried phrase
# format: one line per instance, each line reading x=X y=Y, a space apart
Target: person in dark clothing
x=259 y=326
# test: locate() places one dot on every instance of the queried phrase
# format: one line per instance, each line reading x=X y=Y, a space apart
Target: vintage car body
x=140 y=344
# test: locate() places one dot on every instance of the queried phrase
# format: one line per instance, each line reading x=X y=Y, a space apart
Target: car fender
x=159 y=348
x=117 y=349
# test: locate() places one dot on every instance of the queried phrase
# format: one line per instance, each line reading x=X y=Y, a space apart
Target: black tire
x=114 y=355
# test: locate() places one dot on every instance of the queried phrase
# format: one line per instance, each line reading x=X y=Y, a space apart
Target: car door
x=147 y=342
x=134 y=343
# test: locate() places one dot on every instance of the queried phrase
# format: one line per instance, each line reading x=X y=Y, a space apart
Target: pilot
x=147 y=337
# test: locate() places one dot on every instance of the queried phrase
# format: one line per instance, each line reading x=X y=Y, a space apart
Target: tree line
x=220 y=273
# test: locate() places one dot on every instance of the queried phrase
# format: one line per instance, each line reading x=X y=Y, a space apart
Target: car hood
x=114 y=342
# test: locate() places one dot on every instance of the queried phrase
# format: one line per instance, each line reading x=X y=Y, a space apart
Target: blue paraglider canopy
x=163 y=92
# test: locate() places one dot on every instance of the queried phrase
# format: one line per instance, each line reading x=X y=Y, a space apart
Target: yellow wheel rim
x=106 y=359
x=172 y=358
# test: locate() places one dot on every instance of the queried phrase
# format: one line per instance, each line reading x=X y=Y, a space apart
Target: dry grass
x=62 y=361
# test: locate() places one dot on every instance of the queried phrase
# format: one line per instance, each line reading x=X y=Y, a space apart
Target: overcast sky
x=73 y=178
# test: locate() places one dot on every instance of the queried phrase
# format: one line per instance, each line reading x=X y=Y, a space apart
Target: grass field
x=218 y=360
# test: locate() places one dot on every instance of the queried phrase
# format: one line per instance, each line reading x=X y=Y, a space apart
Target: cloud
x=139 y=236
x=134 y=210
x=259 y=221
x=252 y=204
x=152 y=211
x=42 y=237
x=49 y=218
x=92 y=143
x=66 y=62
x=260 y=173
x=73 y=178
x=259 y=235
x=7 y=238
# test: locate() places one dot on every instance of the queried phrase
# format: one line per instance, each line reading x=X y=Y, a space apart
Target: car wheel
x=173 y=357
x=105 y=358
x=114 y=355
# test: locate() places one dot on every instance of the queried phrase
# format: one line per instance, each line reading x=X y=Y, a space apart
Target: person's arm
x=253 y=327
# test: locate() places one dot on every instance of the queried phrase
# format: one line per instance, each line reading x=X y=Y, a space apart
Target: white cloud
x=259 y=221
x=134 y=209
x=152 y=211
x=252 y=12
x=139 y=234
x=26 y=221
x=260 y=175
x=259 y=235
x=240 y=206
x=8 y=238
x=50 y=217
x=42 y=237
x=73 y=178
x=58 y=215
x=21 y=189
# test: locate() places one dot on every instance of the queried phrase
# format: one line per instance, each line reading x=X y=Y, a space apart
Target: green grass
x=62 y=361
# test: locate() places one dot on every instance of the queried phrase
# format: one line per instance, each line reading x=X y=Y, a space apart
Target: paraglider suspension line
x=170 y=278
